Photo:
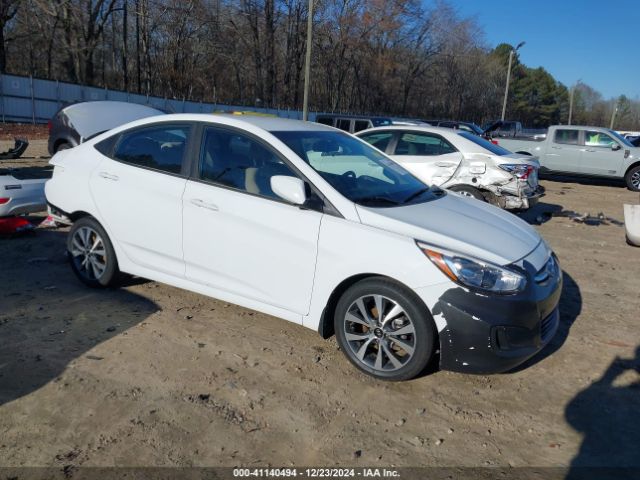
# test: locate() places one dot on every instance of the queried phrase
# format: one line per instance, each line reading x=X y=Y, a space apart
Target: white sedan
x=462 y=162
x=310 y=224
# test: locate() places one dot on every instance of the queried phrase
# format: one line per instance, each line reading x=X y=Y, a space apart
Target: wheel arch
x=326 y=325
x=633 y=165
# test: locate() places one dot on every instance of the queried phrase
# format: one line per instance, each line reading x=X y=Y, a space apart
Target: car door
x=239 y=236
x=602 y=155
x=564 y=151
x=428 y=156
x=137 y=189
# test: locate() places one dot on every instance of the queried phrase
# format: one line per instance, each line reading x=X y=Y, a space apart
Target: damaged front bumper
x=496 y=333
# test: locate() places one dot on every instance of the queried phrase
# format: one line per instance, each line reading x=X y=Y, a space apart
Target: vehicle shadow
x=48 y=318
x=570 y=308
x=606 y=413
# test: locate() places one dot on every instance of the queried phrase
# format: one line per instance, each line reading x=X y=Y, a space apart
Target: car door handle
x=556 y=148
x=109 y=176
x=202 y=204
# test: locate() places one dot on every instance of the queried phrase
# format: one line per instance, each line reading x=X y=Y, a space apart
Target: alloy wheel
x=635 y=180
x=88 y=253
x=379 y=333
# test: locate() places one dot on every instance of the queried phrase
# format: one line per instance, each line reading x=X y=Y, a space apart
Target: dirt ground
x=149 y=375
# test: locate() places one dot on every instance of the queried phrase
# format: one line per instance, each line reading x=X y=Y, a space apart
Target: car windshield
x=493 y=148
x=356 y=170
x=619 y=137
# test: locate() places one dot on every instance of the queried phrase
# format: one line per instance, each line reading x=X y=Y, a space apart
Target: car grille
x=549 y=325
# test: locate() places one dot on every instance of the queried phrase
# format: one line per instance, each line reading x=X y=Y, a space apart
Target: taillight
x=4 y=200
x=49 y=125
x=521 y=172
x=495 y=142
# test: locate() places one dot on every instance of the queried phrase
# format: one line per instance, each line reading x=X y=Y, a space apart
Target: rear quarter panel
x=68 y=188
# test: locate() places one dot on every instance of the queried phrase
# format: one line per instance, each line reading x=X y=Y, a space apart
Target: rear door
x=138 y=189
x=429 y=156
x=598 y=155
x=564 y=151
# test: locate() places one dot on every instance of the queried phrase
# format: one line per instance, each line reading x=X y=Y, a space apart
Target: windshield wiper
x=416 y=194
x=376 y=199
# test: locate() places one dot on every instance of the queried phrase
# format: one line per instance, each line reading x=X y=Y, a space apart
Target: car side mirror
x=615 y=147
x=289 y=188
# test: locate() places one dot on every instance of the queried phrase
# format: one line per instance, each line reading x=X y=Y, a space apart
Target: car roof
x=275 y=124
x=420 y=128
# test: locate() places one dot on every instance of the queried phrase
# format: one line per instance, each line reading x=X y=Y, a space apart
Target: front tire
x=468 y=191
x=91 y=254
x=384 y=329
x=632 y=179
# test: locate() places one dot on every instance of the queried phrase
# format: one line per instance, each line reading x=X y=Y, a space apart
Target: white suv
x=308 y=223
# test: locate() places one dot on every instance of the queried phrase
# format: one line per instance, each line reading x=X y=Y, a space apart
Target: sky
x=594 y=41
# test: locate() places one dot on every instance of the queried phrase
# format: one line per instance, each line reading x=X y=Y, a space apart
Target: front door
x=599 y=156
x=238 y=235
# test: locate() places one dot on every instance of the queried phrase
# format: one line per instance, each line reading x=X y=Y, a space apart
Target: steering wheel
x=349 y=174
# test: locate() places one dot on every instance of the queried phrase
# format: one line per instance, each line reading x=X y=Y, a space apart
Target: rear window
x=492 y=147
x=160 y=147
x=568 y=137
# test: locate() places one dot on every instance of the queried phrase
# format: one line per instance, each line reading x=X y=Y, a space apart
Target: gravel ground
x=149 y=375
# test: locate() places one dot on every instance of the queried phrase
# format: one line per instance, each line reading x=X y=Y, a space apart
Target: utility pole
x=571 y=93
x=506 y=88
x=307 y=63
x=613 y=115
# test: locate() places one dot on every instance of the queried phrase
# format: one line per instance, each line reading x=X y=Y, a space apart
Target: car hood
x=460 y=224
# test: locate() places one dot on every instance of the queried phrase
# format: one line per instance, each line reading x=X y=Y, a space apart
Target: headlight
x=476 y=274
x=520 y=171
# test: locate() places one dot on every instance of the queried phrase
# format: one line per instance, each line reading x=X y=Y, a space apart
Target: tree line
x=404 y=58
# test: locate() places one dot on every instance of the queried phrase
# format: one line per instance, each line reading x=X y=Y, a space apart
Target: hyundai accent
x=308 y=223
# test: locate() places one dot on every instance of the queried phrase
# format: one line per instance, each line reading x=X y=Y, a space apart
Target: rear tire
x=632 y=179
x=384 y=329
x=62 y=146
x=469 y=191
x=91 y=254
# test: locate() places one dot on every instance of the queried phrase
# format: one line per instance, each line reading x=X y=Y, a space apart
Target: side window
x=414 y=143
x=361 y=125
x=598 y=139
x=380 y=140
x=568 y=137
x=238 y=161
x=448 y=124
x=344 y=124
x=325 y=120
x=161 y=147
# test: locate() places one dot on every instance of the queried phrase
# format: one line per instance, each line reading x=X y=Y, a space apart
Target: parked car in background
x=465 y=126
x=313 y=225
x=462 y=162
x=75 y=123
x=22 y=190
x=502 y=128
x=635 y=141
x=352 y=123
x=578 y=150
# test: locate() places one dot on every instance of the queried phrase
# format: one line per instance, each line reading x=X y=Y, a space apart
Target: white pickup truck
x=576 y=150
